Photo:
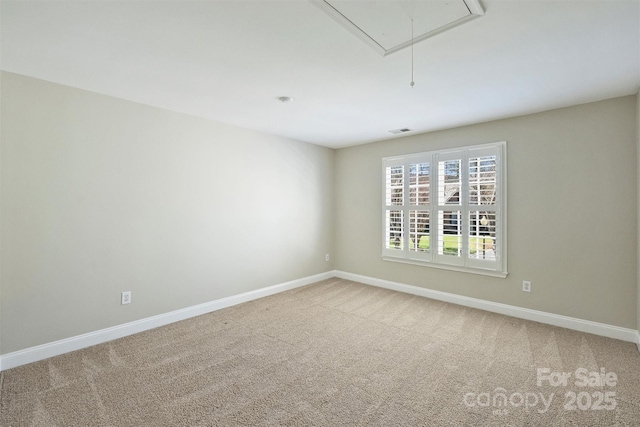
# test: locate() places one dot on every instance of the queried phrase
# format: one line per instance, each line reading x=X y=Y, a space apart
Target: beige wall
x=572 y=203
x=638 y=169
x=101 y=195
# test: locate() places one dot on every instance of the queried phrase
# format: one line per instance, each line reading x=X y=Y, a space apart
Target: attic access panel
x=386 y=25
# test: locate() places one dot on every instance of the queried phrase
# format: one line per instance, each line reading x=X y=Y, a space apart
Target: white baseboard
x=602 y=329
x=44 y=351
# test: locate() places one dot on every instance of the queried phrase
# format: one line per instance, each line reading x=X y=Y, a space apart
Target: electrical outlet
x=326 y=257
x=126 y=297
x=526 y=286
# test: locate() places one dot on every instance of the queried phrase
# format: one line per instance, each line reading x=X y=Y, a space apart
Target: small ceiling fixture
x=398 y=131
x=285 y=99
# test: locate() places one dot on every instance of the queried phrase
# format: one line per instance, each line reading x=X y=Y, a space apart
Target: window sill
x=480 y=271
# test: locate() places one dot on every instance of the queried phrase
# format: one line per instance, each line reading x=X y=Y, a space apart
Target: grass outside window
x=451 y=243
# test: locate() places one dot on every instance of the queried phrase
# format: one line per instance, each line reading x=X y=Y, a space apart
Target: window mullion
x=435 y=207
x=406 y=181
x=464 y=206
x=433 y=203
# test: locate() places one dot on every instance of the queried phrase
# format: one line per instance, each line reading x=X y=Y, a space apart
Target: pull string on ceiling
x=409 y=9
x=412 y=82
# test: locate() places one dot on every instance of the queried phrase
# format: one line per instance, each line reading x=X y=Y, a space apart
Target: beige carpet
x=330 y=354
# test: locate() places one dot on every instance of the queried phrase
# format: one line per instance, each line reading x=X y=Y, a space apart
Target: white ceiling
x=230 y=60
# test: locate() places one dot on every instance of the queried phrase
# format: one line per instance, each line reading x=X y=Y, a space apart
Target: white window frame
x=463 y=262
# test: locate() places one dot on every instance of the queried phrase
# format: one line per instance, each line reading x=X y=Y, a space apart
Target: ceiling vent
x=398 y=131
x=386 y=25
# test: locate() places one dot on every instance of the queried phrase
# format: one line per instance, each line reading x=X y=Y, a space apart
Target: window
x=447 y=209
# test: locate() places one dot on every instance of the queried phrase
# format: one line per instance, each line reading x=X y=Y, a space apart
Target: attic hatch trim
x=475 y=11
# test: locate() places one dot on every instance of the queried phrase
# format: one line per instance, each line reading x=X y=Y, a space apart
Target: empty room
x=319 y=212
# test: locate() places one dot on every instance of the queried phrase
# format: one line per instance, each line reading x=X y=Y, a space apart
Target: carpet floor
x=335 y=353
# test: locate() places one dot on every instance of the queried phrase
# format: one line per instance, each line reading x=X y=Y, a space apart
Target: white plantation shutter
x=447 y=208
x=483 y=213
x=451 y=223
x=394 y=183
x=407 y=207
x=419 y=205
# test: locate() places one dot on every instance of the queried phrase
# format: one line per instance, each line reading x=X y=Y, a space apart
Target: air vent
x=397 y=131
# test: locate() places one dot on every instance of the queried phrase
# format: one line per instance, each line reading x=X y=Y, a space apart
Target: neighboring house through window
x=447 y=209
